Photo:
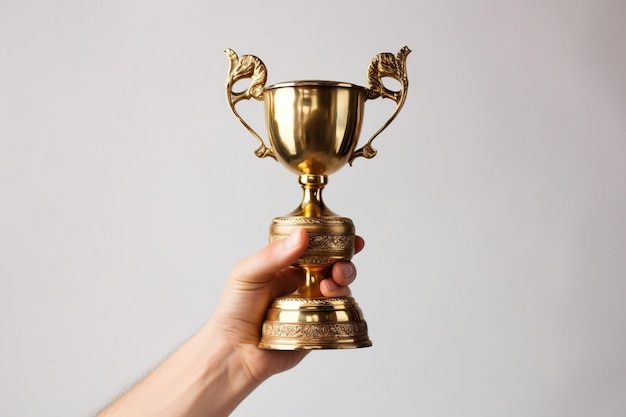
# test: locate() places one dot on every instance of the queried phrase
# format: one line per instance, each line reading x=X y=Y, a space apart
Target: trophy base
x=298 y=323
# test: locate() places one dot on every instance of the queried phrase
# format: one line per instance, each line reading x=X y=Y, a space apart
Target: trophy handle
x=384 y=65
x=248 y=66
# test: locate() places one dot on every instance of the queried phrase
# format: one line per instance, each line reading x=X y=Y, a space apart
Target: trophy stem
x=312 y=204
x=314 y=274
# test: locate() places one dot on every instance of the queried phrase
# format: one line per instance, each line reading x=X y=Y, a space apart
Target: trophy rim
x=315 y=83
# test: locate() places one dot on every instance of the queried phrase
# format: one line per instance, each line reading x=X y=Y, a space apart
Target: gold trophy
x=313 y=129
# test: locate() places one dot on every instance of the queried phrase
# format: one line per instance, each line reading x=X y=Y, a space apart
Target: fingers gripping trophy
x=313 y=129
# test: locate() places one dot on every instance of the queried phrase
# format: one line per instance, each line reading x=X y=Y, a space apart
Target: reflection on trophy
x=313 y=130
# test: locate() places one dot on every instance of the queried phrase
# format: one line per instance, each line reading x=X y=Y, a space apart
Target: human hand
x=221 y=364
x=252 y=286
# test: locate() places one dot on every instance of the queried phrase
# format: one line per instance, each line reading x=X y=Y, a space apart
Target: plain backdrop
x=493 y=278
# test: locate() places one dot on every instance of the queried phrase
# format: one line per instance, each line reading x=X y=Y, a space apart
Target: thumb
x=256 y=281
x=261 y=267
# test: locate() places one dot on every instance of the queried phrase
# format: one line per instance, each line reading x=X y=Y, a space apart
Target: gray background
x=493 y=277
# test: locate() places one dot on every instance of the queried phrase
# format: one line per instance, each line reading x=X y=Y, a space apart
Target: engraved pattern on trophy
x=337 y=242
x=329 y=301
x=331 y=237
x=248 y=66
x=313 y=261
x=334 y=242
x=311 y=220
x=385 y=65
x=316 y=331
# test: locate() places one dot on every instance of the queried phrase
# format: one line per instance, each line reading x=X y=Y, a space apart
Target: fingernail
x=347 y=270
x=330 y=285
x=293 y=239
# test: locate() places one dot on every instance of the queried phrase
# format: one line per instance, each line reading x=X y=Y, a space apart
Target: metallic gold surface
x=313 y=129
x=313 y=125
x=295 y=323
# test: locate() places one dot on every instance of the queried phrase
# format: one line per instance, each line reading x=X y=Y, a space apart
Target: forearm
x=204 y=377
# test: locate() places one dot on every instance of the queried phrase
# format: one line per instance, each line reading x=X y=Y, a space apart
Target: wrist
x=225 y=378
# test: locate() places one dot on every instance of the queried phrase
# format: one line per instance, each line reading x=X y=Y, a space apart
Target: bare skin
x=220 y=365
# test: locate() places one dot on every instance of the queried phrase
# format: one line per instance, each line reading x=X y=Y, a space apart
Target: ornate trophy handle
x=385 y=65
x=248 y=66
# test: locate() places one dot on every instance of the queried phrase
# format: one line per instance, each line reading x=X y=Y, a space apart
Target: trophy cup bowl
x=314 y=125
x=313 y=130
